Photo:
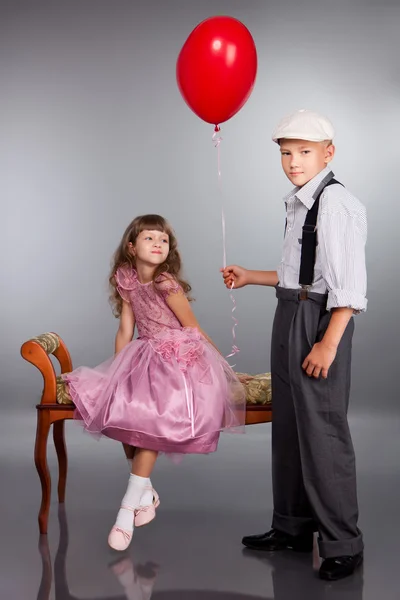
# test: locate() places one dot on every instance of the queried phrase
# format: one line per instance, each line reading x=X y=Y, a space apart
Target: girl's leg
x=143 y=462
x=147 y=498
x=142 y=466
x=129 y=451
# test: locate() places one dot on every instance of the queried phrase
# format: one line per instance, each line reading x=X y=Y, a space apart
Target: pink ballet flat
x=145 y=514
x=119 y=539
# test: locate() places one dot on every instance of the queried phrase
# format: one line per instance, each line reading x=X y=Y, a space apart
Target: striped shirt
x=341 y=237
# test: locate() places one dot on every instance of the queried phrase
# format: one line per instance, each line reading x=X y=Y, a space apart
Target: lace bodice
x=148 y=301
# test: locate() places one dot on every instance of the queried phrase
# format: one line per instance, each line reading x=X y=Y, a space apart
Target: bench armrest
x=37 y=351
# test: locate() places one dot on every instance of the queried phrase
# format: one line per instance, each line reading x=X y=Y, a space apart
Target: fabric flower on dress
x=185 y=345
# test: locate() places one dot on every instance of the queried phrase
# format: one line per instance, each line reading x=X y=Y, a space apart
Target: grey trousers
x=313 y=463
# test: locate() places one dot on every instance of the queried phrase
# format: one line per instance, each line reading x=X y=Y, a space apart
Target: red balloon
x=216 y=68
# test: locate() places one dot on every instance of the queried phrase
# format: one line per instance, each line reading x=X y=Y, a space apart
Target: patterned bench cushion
x=258 y=390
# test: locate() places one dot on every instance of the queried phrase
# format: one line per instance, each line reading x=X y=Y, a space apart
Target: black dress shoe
x=340 y=567
x=278 y=540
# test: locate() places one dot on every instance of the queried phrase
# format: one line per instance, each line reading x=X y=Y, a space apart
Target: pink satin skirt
x=173 y=393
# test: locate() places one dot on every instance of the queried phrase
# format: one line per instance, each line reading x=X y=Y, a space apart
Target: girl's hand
x=244 y=378
x=319 y=360
x=238 y=276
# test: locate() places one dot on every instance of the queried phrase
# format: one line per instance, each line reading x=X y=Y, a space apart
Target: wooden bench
x=55 y=408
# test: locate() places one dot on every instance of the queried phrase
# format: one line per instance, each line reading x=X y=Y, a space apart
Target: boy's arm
x=323 y=353
x=342 y=237
x=239 y=277
x=269 y=278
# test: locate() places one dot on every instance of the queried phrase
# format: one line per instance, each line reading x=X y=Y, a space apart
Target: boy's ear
x=329 y=153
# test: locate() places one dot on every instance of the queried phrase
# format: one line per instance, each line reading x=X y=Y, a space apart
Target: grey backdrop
x=93 y=131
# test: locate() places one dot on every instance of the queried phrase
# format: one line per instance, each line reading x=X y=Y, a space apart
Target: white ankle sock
x=147 y=497
x=132 y=499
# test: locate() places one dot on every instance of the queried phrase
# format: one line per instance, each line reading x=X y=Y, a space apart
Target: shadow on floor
x=294 y=577
x=137 y=581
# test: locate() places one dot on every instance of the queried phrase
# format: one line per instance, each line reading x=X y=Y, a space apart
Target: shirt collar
x=310 y=190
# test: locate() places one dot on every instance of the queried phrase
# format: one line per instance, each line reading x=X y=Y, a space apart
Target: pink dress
x=169 y=390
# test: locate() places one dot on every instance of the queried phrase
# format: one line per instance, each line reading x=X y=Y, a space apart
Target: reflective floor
x=192 y=550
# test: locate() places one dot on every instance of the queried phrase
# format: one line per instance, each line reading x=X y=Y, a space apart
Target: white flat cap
x=304 y=125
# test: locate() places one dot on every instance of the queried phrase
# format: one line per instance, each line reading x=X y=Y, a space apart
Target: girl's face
x=151 y=247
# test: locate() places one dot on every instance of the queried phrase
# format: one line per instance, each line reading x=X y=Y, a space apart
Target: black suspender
x=309 y=240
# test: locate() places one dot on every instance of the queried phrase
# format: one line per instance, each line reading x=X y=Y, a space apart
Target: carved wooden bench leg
x=60 y=561
x=42 y=433
x=61 y=449
x=47 y=569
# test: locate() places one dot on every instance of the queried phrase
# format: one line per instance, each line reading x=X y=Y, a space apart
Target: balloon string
x=217 y=139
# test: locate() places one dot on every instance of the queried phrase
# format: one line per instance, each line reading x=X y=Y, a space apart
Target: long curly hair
x=124 y=256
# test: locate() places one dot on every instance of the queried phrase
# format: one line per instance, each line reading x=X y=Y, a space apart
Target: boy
x=320 y=284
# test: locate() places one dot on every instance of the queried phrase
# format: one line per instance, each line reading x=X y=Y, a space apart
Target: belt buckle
x=303 y=294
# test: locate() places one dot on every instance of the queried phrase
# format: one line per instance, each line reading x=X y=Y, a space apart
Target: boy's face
x=302 y=160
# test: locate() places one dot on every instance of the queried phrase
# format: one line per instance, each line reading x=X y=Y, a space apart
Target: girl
x=167 y=391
